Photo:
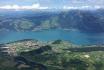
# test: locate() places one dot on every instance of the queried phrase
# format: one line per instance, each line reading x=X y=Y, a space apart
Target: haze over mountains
x=83 y=20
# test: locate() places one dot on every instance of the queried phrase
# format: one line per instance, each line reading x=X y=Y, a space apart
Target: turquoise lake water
x=73 y=36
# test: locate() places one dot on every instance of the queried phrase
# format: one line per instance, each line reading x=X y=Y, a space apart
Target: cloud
x=82 y=7
x=17 y=7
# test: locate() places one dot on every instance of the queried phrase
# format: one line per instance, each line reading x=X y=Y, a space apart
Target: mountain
x=85 y=21
x=27 y=20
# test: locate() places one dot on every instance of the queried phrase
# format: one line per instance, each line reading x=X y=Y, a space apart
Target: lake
x=73 y=36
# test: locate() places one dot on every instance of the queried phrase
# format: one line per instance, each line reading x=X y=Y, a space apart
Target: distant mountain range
x=26 y=20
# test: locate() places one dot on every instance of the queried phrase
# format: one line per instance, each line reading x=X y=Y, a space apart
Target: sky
x=47 y=4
